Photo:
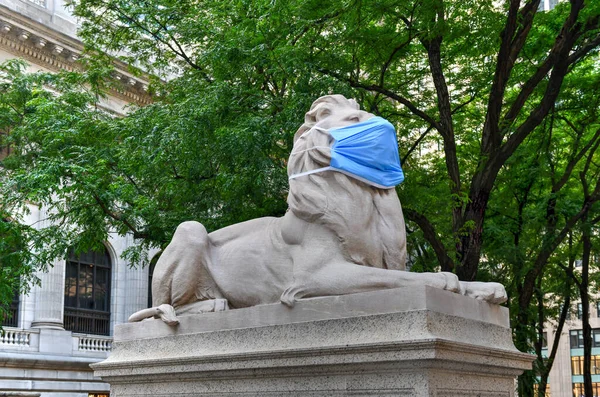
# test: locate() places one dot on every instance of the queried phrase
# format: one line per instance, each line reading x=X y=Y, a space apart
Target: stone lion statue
x=339 y=236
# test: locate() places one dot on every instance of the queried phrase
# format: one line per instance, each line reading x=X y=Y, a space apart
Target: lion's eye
x=323 y=113
x=354 y=119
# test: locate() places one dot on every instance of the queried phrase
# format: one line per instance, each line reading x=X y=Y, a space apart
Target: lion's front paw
x=489 y=292
x=451 y=282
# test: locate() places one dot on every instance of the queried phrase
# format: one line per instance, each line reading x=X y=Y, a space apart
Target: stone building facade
x=566 y=376
x=58 y=329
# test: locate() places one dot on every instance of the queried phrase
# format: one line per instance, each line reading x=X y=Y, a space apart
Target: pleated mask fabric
x=367 y=151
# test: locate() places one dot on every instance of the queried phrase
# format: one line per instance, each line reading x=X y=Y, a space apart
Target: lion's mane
x=368 y=221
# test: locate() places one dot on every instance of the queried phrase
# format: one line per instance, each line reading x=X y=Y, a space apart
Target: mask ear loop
x=310 y=172
x=330 y=168
x=306 y=150
x=311 y=130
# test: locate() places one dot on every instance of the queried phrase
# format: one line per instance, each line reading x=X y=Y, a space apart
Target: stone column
x=49 y=306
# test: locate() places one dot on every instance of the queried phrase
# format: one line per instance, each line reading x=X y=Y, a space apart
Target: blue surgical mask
x=367 y=151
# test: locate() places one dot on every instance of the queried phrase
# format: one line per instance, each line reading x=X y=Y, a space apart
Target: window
x=578 y=263
x=579 y=311
x=577 y=365
x=598 y=309
x=87 y=293
x=578 y=389
x=98 y=394
x=545 y=340
x=596 y=337
x=576 y=337
x=11 y=318
x=569 y=314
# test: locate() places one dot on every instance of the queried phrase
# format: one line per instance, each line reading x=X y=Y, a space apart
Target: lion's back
x=238 y=231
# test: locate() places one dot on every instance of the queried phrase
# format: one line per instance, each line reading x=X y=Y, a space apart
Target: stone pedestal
x=415 y=341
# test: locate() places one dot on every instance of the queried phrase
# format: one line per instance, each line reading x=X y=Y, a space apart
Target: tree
x=515 y=73
x=488 y=82
x=539 y=201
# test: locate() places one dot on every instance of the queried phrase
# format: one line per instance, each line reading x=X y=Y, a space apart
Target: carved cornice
x=53 y=50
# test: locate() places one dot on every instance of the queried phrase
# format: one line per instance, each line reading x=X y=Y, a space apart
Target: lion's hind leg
x=181 y=276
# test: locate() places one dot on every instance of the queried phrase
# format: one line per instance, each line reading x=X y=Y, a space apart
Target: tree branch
x=567 y=38
x=573 y=162
x=390 y=94
x=551 y=244
x=414 y=145
x=431 y=236
x=462 y=105
x=118 y=218
x=433 y=47
x=510 y=46
x=388 y=62
x=542 y=71
x=157 y=37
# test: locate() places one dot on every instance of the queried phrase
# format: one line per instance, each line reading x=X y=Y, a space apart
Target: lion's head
x=368 y=221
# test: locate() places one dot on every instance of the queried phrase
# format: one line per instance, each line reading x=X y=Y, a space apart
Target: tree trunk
x=471 y=239
x=585 y=309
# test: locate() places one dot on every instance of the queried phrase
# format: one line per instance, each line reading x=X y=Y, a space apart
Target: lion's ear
x=310 y=119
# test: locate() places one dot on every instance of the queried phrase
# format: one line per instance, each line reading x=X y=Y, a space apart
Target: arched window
x=87 y=292
x=11 y=260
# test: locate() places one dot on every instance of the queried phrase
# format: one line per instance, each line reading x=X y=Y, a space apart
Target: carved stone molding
x=53 y=50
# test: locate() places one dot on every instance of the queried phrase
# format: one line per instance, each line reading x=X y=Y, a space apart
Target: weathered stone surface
x=414 y=341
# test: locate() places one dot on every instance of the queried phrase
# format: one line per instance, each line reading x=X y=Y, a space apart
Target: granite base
x=416 y=341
